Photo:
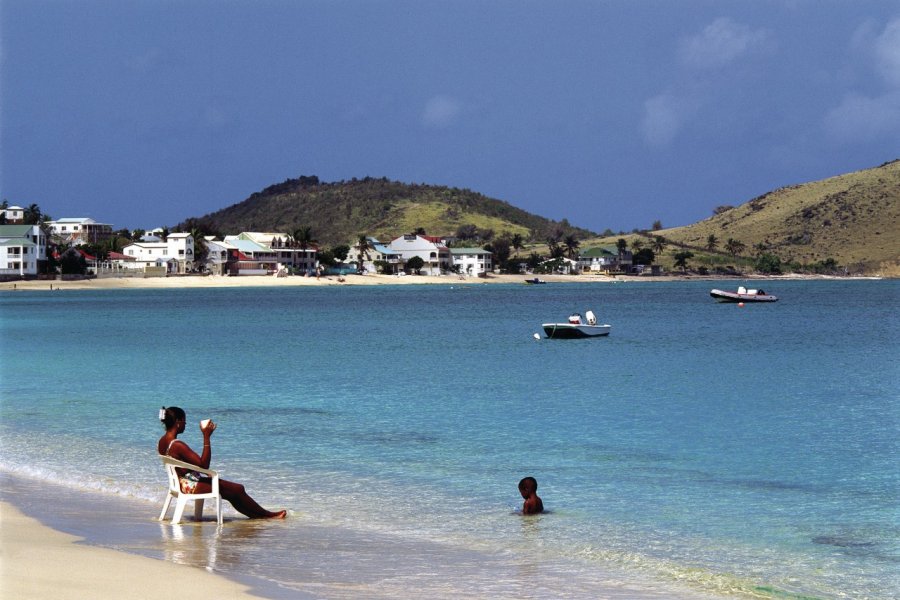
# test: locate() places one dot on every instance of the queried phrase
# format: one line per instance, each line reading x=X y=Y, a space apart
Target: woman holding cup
x=174 y=418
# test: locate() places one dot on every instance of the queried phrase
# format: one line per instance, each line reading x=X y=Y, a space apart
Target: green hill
x=853 y=219
x=337 y=213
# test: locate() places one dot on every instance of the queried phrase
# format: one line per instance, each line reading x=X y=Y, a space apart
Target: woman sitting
x=194 y=483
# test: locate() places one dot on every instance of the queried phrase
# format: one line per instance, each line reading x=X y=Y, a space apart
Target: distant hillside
x=853 y=219
x=337 y=213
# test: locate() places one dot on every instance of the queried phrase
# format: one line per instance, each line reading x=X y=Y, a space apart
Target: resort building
x=76 y=231
x=432 y=250
x=176 y=253
x=606 y=259
x=256 y=253
x=474 y=262
x=22 y=250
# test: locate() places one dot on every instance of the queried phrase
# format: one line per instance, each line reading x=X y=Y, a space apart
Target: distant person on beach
x=532 y=504
x=192 y=482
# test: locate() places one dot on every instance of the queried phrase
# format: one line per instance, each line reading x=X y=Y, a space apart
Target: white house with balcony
x=22 y=248
x=80 y=230
x=432 y=250
x=272 y=251
x=377 y=253
x=473 y=262
x=176 y=253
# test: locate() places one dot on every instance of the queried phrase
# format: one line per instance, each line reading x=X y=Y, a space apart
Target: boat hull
x=569 y=331
x=723 y=296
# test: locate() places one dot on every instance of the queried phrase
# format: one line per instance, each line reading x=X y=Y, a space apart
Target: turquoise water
x=701 y=449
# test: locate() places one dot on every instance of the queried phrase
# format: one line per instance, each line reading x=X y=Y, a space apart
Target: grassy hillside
x=853 y=219
x=337 y=213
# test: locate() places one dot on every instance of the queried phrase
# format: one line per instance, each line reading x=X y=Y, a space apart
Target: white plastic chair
x=181 y=498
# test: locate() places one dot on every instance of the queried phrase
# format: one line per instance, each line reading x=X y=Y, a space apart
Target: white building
x=377 y=252
x=271 y=252
x=13 y=214
x=176 y=253
x=474 y=262
x=22 y=247
x=432 y=250
x=77 y=231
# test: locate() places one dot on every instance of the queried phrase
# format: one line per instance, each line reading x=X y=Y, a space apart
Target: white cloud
x=664 y=116
x=887 y=53
x=861 y=118
x=720 y=43
x=441 y=111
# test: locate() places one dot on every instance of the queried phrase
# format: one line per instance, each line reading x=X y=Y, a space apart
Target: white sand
x=37 y=563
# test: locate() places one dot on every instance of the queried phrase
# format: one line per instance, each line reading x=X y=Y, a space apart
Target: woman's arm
x=184 y=452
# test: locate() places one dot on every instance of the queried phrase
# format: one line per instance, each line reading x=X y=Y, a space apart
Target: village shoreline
x=222 y=281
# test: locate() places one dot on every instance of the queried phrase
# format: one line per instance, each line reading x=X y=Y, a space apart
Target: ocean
x=702 y=450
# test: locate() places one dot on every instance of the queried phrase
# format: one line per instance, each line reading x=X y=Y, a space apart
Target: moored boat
x=535 y=281
x=742 y=295
x=576 y=328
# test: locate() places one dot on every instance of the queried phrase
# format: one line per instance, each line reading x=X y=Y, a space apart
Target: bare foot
x=279 y=515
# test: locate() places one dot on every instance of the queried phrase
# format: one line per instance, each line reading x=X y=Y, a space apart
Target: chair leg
x=219 y=509
x=179 y=510
x=165 y=509
x=198 y=510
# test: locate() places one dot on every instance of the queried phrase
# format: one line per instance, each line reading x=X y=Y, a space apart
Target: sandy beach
x=40 y=562
x=219 y=281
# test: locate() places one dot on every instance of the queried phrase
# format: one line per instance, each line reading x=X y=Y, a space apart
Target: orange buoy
x=741 y=304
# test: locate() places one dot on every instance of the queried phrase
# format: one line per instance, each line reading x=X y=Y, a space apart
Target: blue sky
x=611 y=114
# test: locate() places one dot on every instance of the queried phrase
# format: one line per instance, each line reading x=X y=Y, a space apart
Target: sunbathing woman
x=191 y=482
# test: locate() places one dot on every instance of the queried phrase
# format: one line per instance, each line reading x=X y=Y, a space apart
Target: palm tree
x=362 y=248
x=681 y=259
x=711 y=242
x=734 y=247
x=302 y=237
x=32 y=215
x=621 y=246
x=636 y=245
x=659 y=244
x=516 y=242
x=553 y=241
x=571 y=244
x=201 y=250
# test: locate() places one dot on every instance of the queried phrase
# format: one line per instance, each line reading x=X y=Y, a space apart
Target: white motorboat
x=576 y=328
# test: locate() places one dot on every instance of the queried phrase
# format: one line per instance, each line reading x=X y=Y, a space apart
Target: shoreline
x=221 y=281
x=40 y=562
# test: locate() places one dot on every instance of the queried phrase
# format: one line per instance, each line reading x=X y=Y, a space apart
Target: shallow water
x=701 y=446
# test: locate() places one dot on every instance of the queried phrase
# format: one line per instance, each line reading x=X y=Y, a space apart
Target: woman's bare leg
x=242 y=502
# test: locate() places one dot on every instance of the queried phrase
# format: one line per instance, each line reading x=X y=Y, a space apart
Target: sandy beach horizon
x=221 y=281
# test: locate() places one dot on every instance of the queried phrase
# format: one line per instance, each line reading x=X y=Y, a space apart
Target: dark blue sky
x=614 y=114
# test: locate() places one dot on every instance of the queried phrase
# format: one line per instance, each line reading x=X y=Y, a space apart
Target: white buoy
x=537 y=336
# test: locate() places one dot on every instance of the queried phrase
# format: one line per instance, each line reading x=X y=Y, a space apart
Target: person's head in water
x=533 y=504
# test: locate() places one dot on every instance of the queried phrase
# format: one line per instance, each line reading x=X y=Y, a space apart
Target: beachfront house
x=474 y=262
x=605 y=259
x=258 y=253
x=176 y=254
x=79 y=230
x=378 y=254
x=432 y=250
x=23 y=250
x=218 y=254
